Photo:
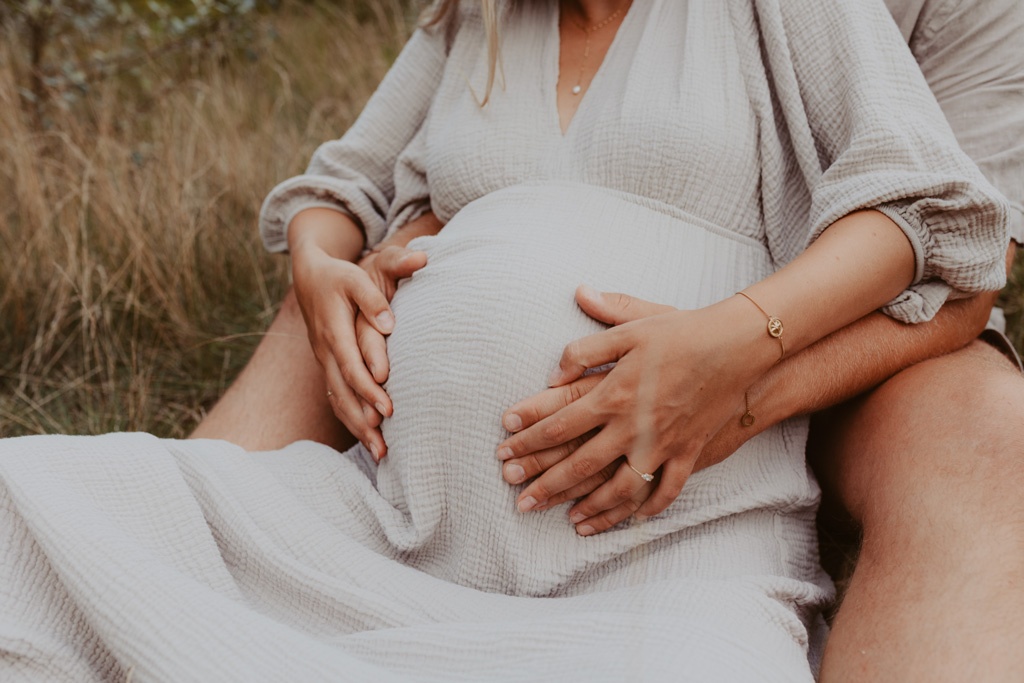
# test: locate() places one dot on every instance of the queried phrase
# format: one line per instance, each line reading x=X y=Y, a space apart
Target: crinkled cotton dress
x=716 y=140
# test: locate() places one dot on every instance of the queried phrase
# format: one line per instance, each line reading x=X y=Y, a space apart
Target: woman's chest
x=666 y=116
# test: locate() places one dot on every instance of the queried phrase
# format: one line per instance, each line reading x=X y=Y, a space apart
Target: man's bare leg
x=931 y=464
x=280 y=396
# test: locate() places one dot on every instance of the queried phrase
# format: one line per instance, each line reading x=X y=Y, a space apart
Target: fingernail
x=386 y=321
x=375 y=452
x=577 y=517
x=513 y=422
x=514 y=474
x=589 y=292
x=504 y=453
x=555 y=377
x=373 y=371
x=380 y=408
x=367 y=413
x=641 y=518
x=585 y=530
x=527 y=504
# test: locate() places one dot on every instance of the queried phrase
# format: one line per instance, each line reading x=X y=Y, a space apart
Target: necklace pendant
x=577 y=89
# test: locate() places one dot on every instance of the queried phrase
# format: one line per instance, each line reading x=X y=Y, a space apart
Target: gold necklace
x=587 y=32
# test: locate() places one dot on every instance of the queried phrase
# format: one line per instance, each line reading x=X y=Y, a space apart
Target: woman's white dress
x=715 y=141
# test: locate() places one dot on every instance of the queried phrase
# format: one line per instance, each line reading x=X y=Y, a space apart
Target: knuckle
x=622 y=492
x=554 y=431
x=572 y=354
x=622 y=397
x=347 y=374
x=572 y=446
x=581 y=468
x=575 y=392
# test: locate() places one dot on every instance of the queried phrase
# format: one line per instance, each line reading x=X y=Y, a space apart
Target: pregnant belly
x=484 y=323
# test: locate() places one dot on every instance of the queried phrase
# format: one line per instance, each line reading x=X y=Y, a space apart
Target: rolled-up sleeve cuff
x=303 y=192
x=917 y=239
x=946 y=264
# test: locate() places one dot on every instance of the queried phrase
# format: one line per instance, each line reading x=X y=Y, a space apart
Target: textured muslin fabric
x=694 y=167
x=192 y=559
x=773 y=119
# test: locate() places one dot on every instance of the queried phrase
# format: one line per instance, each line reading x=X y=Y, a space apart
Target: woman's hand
x=385 y=267
x=680 y=375
x=347 y=313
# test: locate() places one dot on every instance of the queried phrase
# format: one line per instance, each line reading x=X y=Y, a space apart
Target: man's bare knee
x=946 y=426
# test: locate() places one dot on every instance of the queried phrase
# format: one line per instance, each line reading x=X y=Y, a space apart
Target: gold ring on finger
x=646 y=476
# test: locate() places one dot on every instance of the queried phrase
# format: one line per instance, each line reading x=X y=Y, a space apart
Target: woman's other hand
x=347 y=313
x=661 y=404
x=334 y=296
x=385 y=267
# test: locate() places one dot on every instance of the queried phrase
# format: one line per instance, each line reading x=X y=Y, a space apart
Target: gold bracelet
x=774 y=325
x=747 y=418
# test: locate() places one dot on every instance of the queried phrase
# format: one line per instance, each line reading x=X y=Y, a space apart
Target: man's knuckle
x=608 y=471
x=554 y=431
x=347 y=373
x=622 y=492
x=581 y=468
x=572 y=355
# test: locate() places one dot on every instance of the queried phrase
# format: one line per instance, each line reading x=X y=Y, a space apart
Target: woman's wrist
x=326 y=231
x=860 y=263
x=748 y=343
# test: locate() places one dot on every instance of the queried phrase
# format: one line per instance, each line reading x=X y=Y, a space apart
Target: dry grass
x=133 y=284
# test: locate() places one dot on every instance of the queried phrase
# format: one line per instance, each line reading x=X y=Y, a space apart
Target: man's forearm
x=849 y=362
x=422 y=226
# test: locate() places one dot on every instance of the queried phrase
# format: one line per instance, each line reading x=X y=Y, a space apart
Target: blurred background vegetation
x=137 y=141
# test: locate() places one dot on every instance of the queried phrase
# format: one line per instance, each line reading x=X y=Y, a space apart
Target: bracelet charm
x=775 y=327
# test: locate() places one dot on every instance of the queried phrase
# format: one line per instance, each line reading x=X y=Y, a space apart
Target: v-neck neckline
x=594 y=82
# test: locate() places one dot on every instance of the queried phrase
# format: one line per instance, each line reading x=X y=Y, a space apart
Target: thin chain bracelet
x=775 y=329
